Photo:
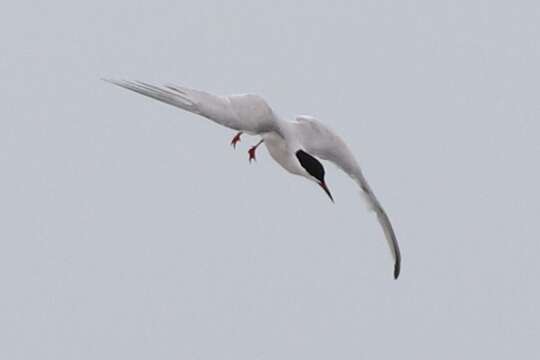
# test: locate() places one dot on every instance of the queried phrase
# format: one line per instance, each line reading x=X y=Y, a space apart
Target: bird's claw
x=251 y=153
x=235 y=140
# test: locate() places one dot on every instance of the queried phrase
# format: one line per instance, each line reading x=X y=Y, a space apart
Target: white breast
x=281 y=153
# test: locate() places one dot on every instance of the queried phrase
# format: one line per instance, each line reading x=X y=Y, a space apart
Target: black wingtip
x=397 y=269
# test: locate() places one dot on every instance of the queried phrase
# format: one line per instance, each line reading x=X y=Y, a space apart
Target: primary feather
x=322 y=142
x=247 y=112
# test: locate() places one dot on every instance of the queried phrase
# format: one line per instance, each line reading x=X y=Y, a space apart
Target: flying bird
x=295 y=145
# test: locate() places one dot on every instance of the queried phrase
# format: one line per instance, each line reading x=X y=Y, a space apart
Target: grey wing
x=248 y=113
x=320 y=141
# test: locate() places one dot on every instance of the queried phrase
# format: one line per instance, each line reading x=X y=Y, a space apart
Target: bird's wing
x=322 y=142
x=248 y=113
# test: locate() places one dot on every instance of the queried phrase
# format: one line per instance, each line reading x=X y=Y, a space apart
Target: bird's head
x=314 y=170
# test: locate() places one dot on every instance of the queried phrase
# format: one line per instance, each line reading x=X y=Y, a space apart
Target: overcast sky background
x=132 y=230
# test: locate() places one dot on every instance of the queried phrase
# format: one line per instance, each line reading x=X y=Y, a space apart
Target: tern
x=295 y=145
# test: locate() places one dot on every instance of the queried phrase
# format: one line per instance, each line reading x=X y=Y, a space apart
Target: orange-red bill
x=325 y=188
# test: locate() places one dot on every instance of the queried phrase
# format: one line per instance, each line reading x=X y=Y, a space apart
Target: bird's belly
x=279 y=151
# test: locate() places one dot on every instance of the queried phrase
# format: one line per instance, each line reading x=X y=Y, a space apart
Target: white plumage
x=295 y=145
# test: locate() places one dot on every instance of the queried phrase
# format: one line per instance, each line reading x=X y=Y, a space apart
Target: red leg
x=236 y=139
x=251 y=151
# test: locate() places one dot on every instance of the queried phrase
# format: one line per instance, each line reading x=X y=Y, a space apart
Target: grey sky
x=131 y=229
